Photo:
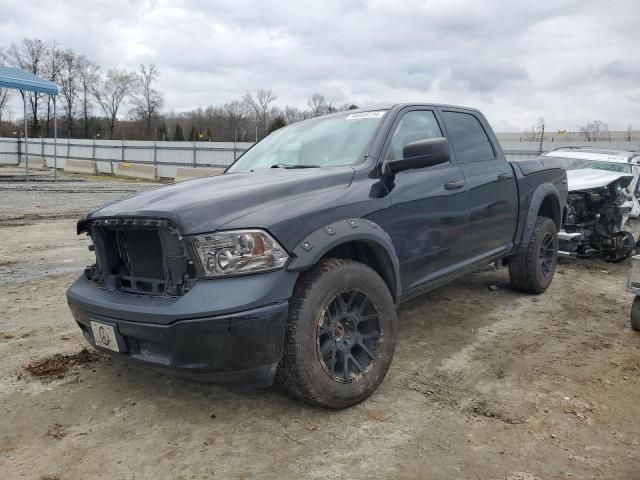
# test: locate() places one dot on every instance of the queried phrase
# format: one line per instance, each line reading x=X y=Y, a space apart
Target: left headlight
x=238 y=252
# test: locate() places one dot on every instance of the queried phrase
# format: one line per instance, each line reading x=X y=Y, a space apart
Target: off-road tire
x=301 y=370
x=635 y=313
x=525 y=270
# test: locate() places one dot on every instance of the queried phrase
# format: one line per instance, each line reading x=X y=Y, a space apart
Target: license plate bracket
x=106 y=336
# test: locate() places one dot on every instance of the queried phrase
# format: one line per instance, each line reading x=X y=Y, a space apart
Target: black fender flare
x=539 y=195
x=315 y=245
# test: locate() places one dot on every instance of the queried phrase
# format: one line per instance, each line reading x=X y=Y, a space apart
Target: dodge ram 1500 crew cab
x=291 y=264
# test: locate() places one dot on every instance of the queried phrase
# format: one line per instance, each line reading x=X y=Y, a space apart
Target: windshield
x=578 y=164
x=318 y=142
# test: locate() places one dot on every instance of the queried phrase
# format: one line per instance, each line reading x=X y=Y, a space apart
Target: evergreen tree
x=192 y=134
x=178 y=136
x=276 y=123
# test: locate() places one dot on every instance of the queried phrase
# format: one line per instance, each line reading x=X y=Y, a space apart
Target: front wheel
x=623 y=245
x=340 y=335
x=532 y=270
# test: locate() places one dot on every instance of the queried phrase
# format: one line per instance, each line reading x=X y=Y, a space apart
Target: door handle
x=454 y=185
x=505 y=176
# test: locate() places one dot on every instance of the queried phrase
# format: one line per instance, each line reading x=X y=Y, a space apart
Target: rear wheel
x=532 y=270
x=340 y=336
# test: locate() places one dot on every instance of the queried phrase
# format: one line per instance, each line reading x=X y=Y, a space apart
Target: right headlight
x=238 y=252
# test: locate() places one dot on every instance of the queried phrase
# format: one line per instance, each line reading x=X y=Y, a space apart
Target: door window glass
x=470 y=141
x=414 y=125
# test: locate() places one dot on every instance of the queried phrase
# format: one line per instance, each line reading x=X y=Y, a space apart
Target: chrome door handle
x=505 y=176
x=454 y=184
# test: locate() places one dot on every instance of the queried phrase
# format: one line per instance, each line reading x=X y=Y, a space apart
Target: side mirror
x=421 y=154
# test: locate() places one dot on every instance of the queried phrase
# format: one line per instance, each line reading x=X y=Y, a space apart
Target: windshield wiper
x=298 y=165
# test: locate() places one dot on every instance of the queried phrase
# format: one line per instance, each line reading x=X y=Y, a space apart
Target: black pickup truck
x=291 y=264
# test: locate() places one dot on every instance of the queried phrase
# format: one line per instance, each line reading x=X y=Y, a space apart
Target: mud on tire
x=532 y=270
x=340 y=336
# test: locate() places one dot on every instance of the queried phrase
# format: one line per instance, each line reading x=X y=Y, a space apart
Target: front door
x=427 y=220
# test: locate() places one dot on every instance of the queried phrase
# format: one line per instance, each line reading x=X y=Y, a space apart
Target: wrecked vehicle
x=291 y=264
x=603 y=211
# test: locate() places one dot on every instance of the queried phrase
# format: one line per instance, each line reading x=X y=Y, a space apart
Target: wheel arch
x=356 y=239
x=545 y=202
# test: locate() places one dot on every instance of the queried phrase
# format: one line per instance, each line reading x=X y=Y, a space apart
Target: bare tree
x=88 y=72
x=235 y=112
x=70 y=81
x=52 y=65
x=147 y=101
x=534 y=132
x=30 y=55
x=594 y=131
x=111 y=91
x=292 y=115
x=260 y=105
x=5 y=93
x=318 y=105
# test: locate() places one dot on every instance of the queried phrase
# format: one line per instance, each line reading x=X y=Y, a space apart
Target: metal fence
x=167 y=156
x=108 y=154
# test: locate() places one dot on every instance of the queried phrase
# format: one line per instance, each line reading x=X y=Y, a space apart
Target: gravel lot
x=486 y=384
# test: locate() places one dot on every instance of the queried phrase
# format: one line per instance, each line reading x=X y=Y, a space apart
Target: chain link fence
x=168 y=156
x=108 y=154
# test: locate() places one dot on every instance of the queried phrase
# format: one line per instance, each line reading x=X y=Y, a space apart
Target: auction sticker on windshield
x=358 y=116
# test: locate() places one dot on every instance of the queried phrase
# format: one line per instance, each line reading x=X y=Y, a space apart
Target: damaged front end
x=596 y=216
x=142 y=256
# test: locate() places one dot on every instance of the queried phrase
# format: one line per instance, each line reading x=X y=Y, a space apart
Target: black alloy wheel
x=348 y=336
x=547 y=254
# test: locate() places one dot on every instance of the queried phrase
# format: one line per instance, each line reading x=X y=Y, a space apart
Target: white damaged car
x=603 y=211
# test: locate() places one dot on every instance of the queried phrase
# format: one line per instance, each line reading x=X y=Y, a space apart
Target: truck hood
x=206 y=204
x=586 y=178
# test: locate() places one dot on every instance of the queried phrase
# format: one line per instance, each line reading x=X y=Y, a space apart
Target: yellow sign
x=562 y=132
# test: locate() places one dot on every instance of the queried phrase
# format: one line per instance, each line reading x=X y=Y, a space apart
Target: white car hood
x=586 y=178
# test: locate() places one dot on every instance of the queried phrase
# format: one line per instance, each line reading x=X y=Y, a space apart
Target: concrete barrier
x=184 y=173
x=80 y=166
x=36 y=163
x=136 y=170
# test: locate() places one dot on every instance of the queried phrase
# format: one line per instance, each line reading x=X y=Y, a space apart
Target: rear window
x=470 y=141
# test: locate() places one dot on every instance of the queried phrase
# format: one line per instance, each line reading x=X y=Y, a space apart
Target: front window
x=579 y=164
x=319 y=142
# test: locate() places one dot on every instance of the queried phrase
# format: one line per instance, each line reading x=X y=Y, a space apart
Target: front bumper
x=186 y=335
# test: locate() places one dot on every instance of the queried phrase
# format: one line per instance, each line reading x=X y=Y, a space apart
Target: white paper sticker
x=358 y=116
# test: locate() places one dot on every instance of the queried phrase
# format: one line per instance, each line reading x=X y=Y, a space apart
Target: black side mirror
x=421 y=154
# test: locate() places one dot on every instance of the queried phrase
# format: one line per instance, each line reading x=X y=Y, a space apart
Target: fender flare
x=315 y=245
x=542 y=192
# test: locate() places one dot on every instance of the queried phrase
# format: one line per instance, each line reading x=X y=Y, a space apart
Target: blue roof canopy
x=23 y=80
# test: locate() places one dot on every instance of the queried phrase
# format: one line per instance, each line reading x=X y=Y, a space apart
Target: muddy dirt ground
x=486 y=384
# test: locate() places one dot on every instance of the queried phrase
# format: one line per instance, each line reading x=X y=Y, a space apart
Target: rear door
x=491 y=185
x=427 y=219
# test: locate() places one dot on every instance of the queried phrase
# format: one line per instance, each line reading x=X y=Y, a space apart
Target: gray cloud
x=568 y=61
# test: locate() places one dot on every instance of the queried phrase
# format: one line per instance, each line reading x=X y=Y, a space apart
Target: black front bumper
x=240 y=347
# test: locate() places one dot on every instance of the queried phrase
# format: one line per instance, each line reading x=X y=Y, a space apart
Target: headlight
x=238 y=252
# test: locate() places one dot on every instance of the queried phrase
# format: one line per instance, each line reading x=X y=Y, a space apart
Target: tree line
x=592 y=131
x=120 y=103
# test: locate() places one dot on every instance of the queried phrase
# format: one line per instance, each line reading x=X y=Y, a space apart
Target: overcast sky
x=568 y=60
